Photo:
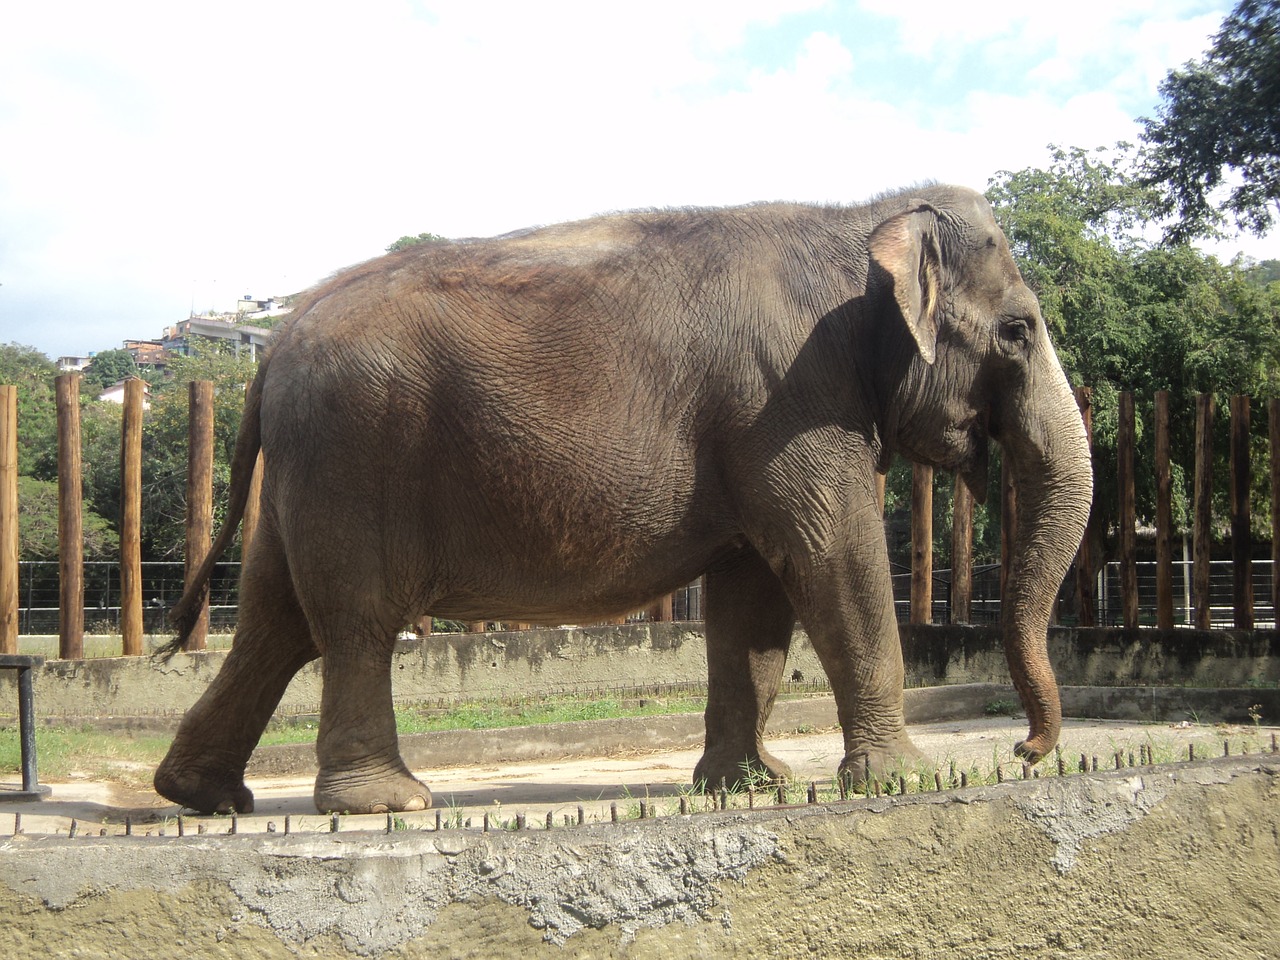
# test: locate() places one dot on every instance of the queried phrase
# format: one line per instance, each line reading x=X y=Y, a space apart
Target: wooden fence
x=200 y=512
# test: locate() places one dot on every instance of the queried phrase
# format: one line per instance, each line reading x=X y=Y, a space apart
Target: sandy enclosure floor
x=596 y=784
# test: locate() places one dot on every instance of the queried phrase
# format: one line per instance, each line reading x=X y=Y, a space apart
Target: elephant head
x=979 y=363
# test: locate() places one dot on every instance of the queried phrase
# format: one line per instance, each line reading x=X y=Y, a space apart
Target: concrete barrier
x=1181 y=860
x=450 y=668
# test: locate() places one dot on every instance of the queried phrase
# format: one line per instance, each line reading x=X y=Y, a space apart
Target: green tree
x=33 y=373
x=164 y=466
x=1264 y=273
x=1128 y=314
x=1217 y=114
x=407 y=241
x=38 y=524
x=164 y=443
x=101 y=424
x=110 y=367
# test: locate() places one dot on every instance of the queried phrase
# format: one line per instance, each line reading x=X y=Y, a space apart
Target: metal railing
x=38 y=596
x=1221 y=594
x=985 y=605
x=162 y=586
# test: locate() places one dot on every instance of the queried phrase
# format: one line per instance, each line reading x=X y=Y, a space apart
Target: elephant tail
x=186 y=614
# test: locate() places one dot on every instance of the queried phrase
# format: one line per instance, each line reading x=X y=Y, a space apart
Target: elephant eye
x=1014 y=329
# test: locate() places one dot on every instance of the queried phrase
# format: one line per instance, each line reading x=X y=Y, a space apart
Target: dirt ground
x=597 y=783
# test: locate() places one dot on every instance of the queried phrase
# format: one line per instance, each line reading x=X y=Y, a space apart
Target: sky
x=159 y=158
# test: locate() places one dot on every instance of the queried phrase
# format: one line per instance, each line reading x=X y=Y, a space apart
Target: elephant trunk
x=1053 y=479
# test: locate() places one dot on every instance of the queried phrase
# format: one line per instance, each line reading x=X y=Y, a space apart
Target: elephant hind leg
x=749 y=626
x=358 y=750
x=204 y=768
x=361 y=770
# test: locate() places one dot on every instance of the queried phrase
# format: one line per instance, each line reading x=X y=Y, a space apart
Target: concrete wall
x=1179 y=861
x=448 y=668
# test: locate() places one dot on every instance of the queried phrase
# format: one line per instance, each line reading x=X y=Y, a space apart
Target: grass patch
x=490 y=715
x=497 y=714
x=64 y=752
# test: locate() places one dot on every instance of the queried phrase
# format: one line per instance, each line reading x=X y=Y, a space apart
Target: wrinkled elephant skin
x=563 y=424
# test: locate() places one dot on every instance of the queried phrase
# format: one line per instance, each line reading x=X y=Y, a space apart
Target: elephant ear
x=906 y=246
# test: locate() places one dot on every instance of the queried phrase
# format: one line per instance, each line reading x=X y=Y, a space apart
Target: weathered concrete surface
x=444 y=667
x=1174 y=861
x=452 y=667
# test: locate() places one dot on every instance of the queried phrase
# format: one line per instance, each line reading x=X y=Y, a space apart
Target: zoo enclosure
x=163 y=583
x=1199 y=591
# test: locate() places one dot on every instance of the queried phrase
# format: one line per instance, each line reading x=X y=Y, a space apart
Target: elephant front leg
x=361 y=770
x=749 y=624
x=844 y=599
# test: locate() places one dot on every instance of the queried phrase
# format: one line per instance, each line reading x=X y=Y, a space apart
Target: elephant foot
x=347 y=792
x=871 y=764
x=739 y=770
x=202 y=791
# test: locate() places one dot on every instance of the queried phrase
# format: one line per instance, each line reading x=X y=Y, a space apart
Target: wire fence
x=162 y=584
x=1221 y=594
x=985 y=605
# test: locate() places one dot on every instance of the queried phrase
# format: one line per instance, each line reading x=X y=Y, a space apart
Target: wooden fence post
x=70 y=520
x=1128 y=513
x=1164 y=516
x=1241 y=536
x=131 y=519
x=199 y=494
x=8 y=520
x=961 y=552
x=921 y=543
x=1203 y=534
x=1084 y=563
x=1273 y=424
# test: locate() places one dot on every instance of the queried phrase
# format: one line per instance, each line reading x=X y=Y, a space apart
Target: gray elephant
x=566 y=423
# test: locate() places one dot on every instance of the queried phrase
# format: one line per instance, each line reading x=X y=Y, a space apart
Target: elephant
x=562 y=424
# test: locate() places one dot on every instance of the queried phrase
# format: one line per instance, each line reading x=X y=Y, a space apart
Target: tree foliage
x=164 y=466
x=164 y=442
x=407 y=241
x=33 y=373
x=1218 y=124
x=1128 y=314
x=1261 y=274
x=110 y=367
x=38 y=524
